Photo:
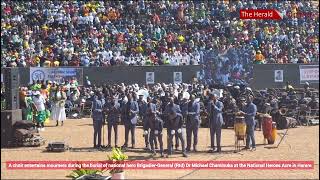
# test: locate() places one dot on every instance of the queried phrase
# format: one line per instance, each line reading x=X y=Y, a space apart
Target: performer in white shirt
x=39 y=102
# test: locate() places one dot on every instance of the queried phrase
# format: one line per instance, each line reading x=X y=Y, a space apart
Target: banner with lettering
x=309 y=73
x=56 y=74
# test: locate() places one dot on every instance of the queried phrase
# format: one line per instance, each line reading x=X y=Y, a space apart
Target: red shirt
x=156 y=19
x=154 y=59
x=7 y=10
x=170 y=38
x=120 y=38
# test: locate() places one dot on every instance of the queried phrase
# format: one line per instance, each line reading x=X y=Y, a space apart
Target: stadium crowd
x=99 y=33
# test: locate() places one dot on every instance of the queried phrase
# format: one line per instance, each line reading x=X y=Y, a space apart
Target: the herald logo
x=271 y=14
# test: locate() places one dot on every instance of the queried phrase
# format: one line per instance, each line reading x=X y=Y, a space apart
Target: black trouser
x=192 y=128
x=176 y=138
x=97 y=126
x=24 y=113
x=115 y=129
x=127 y=128
x=148 y=139
x=215 y=131
x=40 y=125
x=154 y=139
x=170 y=139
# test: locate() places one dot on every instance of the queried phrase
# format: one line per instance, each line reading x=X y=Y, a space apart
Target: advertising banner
x=56 y=74
x=309 y=73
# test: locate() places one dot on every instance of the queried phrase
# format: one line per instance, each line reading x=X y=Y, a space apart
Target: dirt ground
x=300 y=144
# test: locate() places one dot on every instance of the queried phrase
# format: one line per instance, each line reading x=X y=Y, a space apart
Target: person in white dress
x=58 y=111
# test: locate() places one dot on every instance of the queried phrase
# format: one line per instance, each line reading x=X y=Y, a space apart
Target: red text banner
x=179 y=165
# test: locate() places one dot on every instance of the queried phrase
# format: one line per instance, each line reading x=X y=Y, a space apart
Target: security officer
x=303 y=99
x=307 y=90
x=129 y=117
x=113 y=118
x=314 y=106
x=250 y=112
x=183 y=103
x=230 y=108
x=149 y=110
x=175 y=128
x=171 y=106
x=141 y=103
x=215 y=108
x=314 y=103
x=193 y=122
x=155 y=124
x=274 y=107
x=97 y=116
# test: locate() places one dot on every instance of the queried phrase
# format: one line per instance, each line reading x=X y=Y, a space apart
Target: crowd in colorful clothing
x=99 y=33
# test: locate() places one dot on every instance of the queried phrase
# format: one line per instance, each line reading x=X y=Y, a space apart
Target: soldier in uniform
x=97 y=116
x=183 y=103
x=215 y=108
x=129 y=115
x=175 y=128
x=307 y=90
x=250 y=112
x=149 y=110
x=314 y=106
x=284 y=101
x=229 y=110
x=155 y=124
x=113 y=118
x=274 y=107
x=141 y=103
x=193 y=122
x=171 y=106
x=303 y=99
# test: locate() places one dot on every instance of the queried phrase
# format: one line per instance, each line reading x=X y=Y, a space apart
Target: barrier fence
x=277 y=75
x=113 y=74
x=264 y=75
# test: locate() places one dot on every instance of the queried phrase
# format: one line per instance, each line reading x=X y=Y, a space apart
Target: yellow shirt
x=139 y=49
x=56 y=63
x=180 y=38
x=47 y=64
x=26 y=44
x=140 y=35
x=37 y=59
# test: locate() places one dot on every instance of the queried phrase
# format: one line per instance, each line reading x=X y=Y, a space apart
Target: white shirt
x=39 y=103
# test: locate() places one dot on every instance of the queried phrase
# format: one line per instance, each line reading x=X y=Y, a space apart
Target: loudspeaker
x=12 y=99
x=8 y=118
x=11 y=78
x=12 y=82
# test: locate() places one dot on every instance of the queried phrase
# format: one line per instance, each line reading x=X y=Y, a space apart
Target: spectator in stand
x=76 y=33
